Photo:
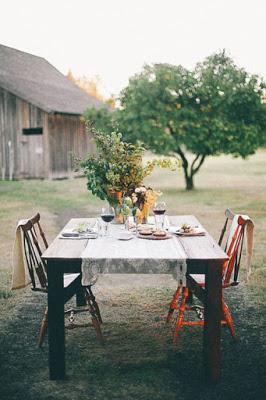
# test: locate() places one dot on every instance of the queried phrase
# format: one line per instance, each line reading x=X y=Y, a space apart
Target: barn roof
x=35 y=80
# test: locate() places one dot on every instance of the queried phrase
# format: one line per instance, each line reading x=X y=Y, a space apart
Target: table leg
x=212 y=318
x=56 y=323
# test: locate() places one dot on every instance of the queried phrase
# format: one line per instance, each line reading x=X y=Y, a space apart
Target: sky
x=115 y=38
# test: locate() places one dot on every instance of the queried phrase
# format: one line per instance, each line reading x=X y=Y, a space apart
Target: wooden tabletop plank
x=196 y=248
x=66 y=248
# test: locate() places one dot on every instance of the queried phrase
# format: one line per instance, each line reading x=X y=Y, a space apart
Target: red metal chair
x=196 y=283
x=34 y=242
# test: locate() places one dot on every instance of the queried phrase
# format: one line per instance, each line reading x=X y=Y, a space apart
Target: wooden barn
x=40 y=125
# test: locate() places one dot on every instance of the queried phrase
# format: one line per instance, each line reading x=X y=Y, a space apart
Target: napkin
x=90 y=233
x=78 y=236
x=20 y=276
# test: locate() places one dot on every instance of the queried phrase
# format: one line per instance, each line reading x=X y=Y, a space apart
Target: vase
x=126 y=222
x=119 y=218
x=144 y=213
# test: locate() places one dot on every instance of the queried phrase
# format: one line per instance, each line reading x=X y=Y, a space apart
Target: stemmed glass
x=107 y=215
x=159 y=212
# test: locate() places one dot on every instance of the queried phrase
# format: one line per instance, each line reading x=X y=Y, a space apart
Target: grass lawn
x=222 y=182
x=138 y=360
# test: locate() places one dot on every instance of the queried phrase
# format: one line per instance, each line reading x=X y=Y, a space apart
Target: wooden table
x=204 y=256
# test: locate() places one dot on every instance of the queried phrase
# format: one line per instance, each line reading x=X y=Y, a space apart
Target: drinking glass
x=107 y=215
x=159 y=212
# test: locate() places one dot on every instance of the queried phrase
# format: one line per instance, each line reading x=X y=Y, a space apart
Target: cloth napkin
x=90 y=233
x=20 y=276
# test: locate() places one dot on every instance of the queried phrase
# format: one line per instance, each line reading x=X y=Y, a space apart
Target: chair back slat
x=223 y=232
x=233 y=248
x=238 y=260
x=229 y=215
x=36 y=221
x=28 y=258
x=34 y=240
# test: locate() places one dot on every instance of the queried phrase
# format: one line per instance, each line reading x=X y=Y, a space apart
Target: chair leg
x=181 y=312
x=95 y=304
x=190 y=296
x=173 y=305
x=43 y=328
x=229 y=319
x=94 y=316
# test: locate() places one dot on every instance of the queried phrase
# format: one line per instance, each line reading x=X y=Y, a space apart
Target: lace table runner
x=108 y=255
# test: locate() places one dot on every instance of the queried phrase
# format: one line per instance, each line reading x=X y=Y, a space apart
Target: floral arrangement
x=117 y=172
x=139 y=203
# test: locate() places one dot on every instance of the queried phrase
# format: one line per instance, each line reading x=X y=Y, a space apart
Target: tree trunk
x=189 y=182
x=190 y=170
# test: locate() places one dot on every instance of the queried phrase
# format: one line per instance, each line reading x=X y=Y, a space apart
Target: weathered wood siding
x=21 y=156
x=67 y=138
x=48 y=155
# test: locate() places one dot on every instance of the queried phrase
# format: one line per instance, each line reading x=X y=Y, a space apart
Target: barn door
x=32 y=157
x=31 y=141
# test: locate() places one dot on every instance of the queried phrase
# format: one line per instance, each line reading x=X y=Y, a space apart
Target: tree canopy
x=215 y=108
x=91 y=86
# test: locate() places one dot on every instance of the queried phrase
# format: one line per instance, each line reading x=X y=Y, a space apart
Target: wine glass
x=159 y=212
x=107 y=215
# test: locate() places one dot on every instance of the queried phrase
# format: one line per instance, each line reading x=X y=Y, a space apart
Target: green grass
x=222 y=182
x=138 y=360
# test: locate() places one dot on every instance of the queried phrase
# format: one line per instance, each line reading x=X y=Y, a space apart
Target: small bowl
x=125 y=236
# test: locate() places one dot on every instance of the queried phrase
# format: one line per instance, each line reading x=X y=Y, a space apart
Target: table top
x=195 y=248
x=136 y=248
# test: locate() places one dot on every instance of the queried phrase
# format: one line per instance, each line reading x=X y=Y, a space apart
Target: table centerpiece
x=117 y=171
x=138 y=203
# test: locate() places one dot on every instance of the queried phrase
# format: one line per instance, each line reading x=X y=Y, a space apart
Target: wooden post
x=3 y=152
x=10 y=160
x=56 y=323
x=212 y=320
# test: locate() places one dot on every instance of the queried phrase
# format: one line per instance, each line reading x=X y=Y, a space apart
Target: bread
x=159 y=233
x=145 y=232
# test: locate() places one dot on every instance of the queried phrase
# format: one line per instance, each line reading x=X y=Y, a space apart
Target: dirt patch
x=138 y=360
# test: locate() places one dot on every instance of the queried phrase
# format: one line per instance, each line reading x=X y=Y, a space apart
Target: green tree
x=214 y=109
x=102 y=119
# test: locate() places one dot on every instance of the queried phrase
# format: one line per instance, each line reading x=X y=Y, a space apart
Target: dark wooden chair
x=196 y=283
x=34 y=242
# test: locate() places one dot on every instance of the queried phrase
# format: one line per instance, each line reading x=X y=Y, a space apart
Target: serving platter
x=152 y=237
x=192 y=233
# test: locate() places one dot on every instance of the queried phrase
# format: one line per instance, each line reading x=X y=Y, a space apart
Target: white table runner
x=108 y=255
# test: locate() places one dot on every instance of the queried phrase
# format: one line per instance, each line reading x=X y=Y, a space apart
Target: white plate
x=194 y=232
x=174 y=229
x=125 y=236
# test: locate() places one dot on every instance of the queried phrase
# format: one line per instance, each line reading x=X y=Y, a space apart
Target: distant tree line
x=214 y=109
x=91 y=86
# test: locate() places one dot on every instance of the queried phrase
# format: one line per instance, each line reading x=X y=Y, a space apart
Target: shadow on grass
x=138 y=360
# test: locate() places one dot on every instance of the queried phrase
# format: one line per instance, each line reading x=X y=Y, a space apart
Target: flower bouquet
x=139 y=202
x=116 y=172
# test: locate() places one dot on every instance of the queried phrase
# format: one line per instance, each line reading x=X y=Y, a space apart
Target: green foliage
x=214 y=109
x=102 y=119
x=117 y=167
